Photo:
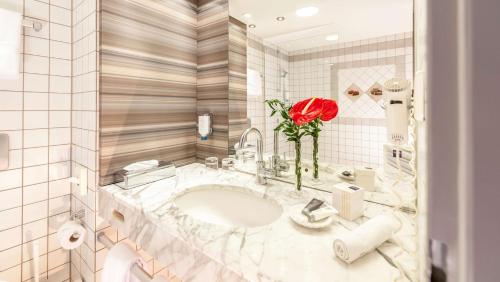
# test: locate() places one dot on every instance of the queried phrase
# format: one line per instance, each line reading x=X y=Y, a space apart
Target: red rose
x=310 y=109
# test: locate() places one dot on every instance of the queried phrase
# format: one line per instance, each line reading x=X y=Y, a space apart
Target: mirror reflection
x=308 y=52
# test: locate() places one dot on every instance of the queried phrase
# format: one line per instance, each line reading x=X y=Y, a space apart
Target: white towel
x=10 y=41
x=365 y=238
x=138 y=166
x=119 y=262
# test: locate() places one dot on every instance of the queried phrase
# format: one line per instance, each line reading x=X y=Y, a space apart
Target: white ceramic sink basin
x=228 y=205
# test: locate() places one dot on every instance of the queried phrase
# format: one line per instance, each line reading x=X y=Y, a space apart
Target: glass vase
x=315 y=157
x=298 y=166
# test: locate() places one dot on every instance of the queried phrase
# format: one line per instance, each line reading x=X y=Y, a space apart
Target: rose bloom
x=310 y=109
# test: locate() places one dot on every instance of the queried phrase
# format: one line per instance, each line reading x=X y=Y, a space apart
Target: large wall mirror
x=294 y=53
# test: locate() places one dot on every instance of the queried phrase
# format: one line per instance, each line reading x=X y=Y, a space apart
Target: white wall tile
x=10 y=238
x=36 y=138
x=34 y=212
x=35 y=174
x=35 y=193
x=10 y=179
x=36 y=83
x=36 y=101
x=36 y=64
x=60 y=101
x=11 y=120
x=11 y=100
x=35 y=230
x=60 y=119
x=36 y=119
x=60 y=67
x=60 y=15
x=36 y=9
x=59 y=188
x=36 y=46
x=60 y=33
x=10 y=258
x=11 y=198
x=61 y=3
x=60 y=84
x=28 y=248
x=10 y=218
x=59 y=153
x=60 y=136
x=60 y=50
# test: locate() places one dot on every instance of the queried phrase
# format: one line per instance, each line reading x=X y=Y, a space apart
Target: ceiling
x=351 y=19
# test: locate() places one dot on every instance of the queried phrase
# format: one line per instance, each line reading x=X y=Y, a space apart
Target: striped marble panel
x=237 y=81
x=148 y=77
x=213 y=74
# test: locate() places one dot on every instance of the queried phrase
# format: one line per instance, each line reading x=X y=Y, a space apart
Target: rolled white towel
x=138 y=166
x=365 y=238
x=119 y=262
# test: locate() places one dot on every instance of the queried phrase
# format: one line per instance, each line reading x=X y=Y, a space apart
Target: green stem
x=315 y=156
x=298 y=165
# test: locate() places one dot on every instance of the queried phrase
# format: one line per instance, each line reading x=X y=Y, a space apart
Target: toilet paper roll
x=71 y=235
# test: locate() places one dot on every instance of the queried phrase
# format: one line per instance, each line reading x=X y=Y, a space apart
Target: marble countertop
x=198 y=251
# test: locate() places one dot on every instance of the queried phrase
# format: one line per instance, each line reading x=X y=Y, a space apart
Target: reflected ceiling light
x=280 y=19
x=247 y=15
x=333 y=37
x=252 y=26
x=307 y=11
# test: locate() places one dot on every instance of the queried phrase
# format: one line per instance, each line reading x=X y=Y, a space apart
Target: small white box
x=348 y=200
x=365 y=177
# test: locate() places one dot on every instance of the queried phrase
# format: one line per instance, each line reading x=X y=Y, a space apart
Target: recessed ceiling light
x=307 y=11
x=333 y=37
x=247 y=15
x=252 y=26
x=280 y=19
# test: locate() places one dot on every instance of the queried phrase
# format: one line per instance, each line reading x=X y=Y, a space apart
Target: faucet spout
x=260 y=144
x=261 y=169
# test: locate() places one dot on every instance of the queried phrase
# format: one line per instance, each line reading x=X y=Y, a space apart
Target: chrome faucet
x=277 y=164
x=260 y=175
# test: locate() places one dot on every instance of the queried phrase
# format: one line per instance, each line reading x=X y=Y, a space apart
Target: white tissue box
x=348 y=200
x=365 y=177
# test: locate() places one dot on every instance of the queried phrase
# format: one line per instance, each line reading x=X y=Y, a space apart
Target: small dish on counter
x=295 y=213
x=346 y=174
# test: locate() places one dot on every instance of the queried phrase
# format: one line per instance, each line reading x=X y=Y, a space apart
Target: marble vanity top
x=198 y=251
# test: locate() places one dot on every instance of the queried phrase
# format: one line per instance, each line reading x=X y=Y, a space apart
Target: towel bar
x=138 y=271
x=37 y=26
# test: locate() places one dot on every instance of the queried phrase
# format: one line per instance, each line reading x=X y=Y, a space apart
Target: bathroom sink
x=228 y=205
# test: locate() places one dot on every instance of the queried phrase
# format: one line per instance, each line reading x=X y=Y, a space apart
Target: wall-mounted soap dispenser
x=205 y=125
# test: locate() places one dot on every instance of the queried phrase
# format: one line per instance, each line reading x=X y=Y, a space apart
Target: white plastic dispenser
x=397 y=93
x=205 y=126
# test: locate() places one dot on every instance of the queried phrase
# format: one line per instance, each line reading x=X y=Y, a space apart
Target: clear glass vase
x=298 y=166
x=315 y=157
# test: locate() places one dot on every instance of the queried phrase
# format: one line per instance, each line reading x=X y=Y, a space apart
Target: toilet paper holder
x=78 y=216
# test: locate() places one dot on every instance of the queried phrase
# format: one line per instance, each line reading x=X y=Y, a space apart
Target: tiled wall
x=270 y=61
x=357 y=135
x=147 y=83
x=85 y=150
x=35 y=113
